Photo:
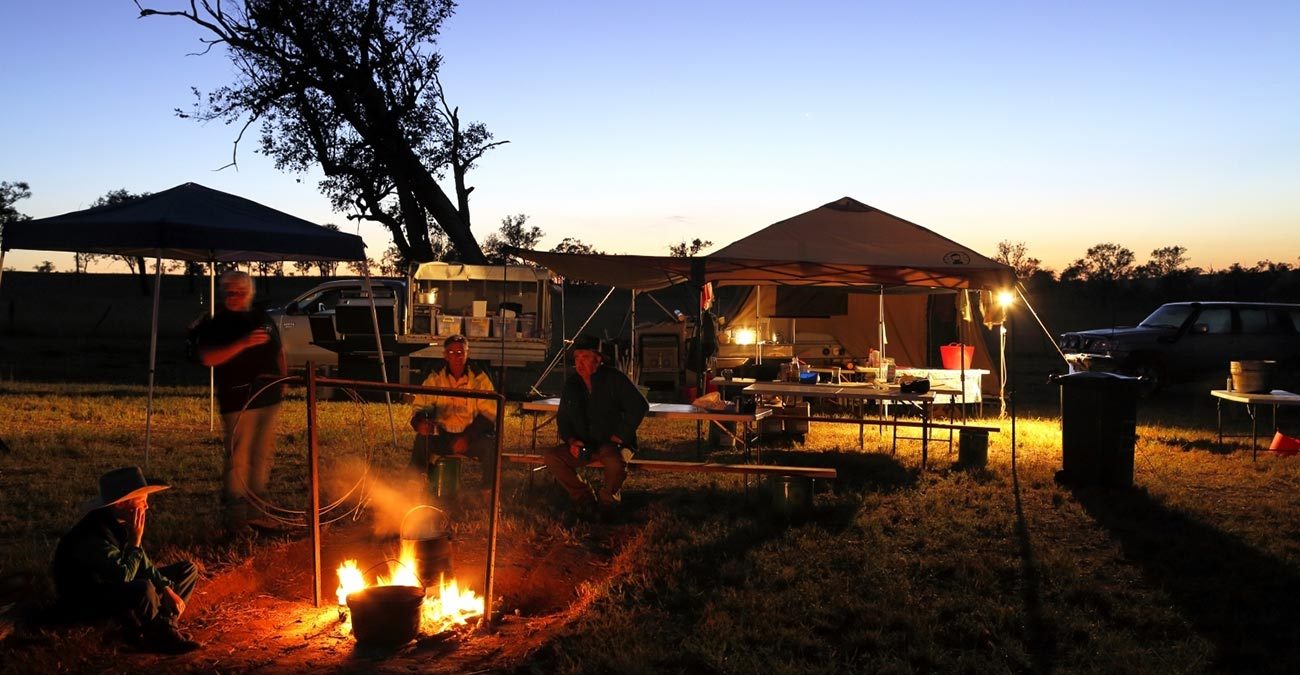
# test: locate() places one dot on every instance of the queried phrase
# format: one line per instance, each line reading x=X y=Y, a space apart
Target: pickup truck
x=1185 y=340
x=505 y=312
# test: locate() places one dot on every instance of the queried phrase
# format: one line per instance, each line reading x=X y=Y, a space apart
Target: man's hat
x=122 y=484
x=589 y=342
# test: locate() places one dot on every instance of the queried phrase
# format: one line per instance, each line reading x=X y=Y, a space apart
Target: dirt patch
x=259 y=616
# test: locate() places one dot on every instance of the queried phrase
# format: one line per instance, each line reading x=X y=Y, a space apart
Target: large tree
x=351 y=86
x=1016 y=254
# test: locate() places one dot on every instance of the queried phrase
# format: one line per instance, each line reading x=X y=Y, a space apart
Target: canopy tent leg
x=153 y=356
x=379 y=346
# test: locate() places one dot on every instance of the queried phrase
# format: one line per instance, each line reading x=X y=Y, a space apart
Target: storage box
x=504 y=327
x=480 y=309
x=476 y=326
x=528 y=326
x=449 y=325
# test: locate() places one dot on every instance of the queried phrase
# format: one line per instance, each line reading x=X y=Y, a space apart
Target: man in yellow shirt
x=452 y=425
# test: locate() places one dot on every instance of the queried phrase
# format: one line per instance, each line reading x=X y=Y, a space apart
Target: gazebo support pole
x=313 y=508
x=153 y=356
x=379 y=344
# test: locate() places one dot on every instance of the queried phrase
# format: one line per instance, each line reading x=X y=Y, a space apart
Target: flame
x=446 y=605
x=350 y=580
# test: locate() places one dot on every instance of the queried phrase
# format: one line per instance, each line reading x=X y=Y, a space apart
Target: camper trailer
x=505 y=312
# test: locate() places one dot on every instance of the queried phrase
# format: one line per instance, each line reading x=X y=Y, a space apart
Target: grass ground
x=1002 y=569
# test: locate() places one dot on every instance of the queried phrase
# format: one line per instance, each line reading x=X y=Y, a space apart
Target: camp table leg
x=1218 y=410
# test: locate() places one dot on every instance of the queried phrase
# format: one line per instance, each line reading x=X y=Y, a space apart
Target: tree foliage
x=683 y=249
x=1165 y=262
x=1106 y=262
x=514 y=233
x=1016 y=255
x=573 y=245
x=10 y=194
x=351 y=87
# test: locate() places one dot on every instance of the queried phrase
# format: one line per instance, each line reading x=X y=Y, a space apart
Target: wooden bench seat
x=869 y=422
x=701 y=467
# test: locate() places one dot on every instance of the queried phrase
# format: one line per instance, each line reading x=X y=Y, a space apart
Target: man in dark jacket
x=600 y=410
x=100 y=570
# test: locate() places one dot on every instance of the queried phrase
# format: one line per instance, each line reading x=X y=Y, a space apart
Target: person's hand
x=173 y=602
x=257 y=337
x=575 y=448
x=135 y=527
x=460 y=446
x=423 y=425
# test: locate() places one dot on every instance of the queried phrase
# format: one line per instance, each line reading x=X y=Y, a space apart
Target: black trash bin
x=1098 y=428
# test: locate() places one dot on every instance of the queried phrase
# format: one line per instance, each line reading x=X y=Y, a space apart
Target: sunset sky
x=636 y=125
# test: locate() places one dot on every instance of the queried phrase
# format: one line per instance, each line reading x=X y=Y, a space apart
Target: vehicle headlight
x=1099 y=345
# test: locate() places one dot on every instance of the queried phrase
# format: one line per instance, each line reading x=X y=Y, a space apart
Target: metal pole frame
x=311 y=381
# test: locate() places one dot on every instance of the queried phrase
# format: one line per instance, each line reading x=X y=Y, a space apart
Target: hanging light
x=1006 y=298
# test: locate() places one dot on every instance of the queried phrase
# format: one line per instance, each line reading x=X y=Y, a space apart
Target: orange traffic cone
x=1284 y=445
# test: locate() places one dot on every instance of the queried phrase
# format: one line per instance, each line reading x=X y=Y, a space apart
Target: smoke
x=387 y=501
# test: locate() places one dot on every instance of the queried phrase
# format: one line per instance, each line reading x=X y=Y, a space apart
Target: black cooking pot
x=386 y=616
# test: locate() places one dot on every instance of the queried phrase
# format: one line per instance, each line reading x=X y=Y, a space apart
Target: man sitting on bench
x=452 y=425
x=600 y=410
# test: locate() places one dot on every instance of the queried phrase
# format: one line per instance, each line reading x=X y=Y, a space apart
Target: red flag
x=706 y=296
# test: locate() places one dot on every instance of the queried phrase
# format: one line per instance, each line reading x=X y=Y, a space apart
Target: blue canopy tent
x=188 y=222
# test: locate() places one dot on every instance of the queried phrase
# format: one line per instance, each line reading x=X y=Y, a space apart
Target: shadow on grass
x=1242 y=600
x=1039 y=640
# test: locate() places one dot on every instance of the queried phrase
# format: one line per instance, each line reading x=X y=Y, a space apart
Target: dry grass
x=995 y=570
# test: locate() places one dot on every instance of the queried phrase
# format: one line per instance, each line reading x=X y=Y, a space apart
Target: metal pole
x=153 y=357
x=212 y=371
x=492 y=516
x=379 y=344
x=1015 y=345
x=313 y=509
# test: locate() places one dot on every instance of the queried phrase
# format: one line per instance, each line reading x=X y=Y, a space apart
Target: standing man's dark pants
x=563 y=465
x=482 y=446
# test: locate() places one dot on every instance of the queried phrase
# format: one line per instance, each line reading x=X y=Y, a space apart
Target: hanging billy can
x=426 y=539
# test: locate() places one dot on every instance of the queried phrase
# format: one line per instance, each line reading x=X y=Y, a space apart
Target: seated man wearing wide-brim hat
x=600 y=410
x=101 y=571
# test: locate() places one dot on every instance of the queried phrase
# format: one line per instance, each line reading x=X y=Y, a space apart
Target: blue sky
x=636 y=125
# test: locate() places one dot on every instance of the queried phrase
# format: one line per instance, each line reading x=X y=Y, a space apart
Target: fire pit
x=421 y=593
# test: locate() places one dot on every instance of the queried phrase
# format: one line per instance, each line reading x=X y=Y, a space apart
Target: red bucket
x=953 y=358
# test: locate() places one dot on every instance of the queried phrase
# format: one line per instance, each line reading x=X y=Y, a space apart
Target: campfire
x=445 y=605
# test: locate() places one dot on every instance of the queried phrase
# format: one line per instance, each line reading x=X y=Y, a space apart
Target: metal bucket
x=386 y=616
x=1252 y=377
x=426 y=539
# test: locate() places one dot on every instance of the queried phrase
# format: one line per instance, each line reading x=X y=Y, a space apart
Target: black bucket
x=973 y=449
x=386 y=616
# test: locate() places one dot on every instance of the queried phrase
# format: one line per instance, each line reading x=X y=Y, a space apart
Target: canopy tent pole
x=1015 y=344
x=379 y=345
x=2 y=263
x=634 y=373
x=153 y=356
x=880 y=311
x=758 y=325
